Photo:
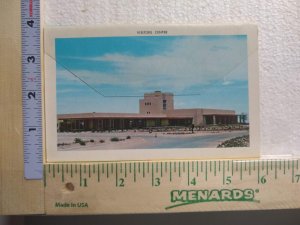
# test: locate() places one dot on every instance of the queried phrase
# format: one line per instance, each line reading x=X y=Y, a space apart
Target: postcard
x=151 y=92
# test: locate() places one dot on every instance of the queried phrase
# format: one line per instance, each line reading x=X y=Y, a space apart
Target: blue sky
x=214 y=67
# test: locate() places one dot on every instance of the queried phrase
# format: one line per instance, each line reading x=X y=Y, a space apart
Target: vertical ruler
x=31 y=89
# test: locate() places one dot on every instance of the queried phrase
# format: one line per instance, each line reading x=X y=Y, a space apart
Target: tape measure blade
x=31 y=89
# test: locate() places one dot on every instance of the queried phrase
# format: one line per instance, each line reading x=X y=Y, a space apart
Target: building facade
x=156 y=103
x=156 y=110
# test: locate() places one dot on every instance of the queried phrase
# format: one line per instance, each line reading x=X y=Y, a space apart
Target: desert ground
x=144 y=140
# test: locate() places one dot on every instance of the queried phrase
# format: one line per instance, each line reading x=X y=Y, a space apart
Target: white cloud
x=187 y=62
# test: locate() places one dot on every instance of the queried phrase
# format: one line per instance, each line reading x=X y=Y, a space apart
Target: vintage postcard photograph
x=152 y=92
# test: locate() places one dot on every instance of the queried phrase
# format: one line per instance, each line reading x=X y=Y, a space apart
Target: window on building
x=164 y=104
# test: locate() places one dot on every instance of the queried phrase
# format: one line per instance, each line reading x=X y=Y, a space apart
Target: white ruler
x=31 y=89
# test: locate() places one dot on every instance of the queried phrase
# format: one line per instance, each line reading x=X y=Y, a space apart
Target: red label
x=30 y=8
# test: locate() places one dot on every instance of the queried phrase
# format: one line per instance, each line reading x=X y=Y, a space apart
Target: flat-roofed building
x=163 y=103
x=156 y=103
x=156 y=109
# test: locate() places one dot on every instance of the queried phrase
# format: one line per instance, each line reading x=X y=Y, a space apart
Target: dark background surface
x=272 y=217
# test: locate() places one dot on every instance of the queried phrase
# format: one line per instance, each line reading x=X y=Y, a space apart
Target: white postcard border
x=53 y=155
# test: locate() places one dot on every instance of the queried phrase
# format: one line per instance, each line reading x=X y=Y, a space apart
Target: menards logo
x=187 y=197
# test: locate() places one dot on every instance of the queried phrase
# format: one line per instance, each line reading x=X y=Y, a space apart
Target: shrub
x=115 y=139
x=62 y=144
x=77 y=140
x=128 y=137
x=92 y=140
x=101 y=141
x=82 y=143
